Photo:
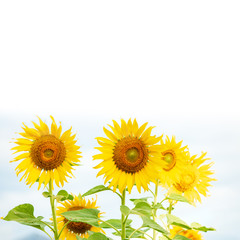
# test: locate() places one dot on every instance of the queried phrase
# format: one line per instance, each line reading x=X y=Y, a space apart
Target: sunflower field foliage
x=129 y=156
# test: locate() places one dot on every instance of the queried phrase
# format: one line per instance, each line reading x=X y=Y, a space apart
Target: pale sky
x=174 y=64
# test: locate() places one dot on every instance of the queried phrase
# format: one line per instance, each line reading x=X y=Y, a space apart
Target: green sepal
x=177 y=197
x=23 y=214
x=117 y=223
x=86 y=215
x=147 y=222
x=173 y=220
x=199 y=227
x=96 y=189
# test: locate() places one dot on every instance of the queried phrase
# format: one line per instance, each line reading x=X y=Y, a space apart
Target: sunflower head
x=173 y=159
x=74 y=229
x=129 y=155
x=194 y=179
x=191 y=234
x=46 y=153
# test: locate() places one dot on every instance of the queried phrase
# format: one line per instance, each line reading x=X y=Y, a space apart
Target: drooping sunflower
x=75 y=228
x=46 y=154
x=194 y=179
x=191 y=234
x=174 y=157
x=129 y=155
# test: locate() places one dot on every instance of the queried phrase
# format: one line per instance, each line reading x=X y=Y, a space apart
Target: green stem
x=145 y=234
x=52 y=201
x=123 y=220
x=47 y=225
x=63 y=228
x=134 y=232
x=170 y=208
x=155 y=210
x=48 y=234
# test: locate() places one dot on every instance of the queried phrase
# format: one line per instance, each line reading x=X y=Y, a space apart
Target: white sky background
x=172 y=63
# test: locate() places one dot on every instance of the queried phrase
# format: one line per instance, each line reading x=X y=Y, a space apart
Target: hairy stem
x=123 y=220
x=155 y=210
x=52 y=201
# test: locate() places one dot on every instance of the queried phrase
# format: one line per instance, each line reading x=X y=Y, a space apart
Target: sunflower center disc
x=77 y=227
x=170 y=158
x=188 y=179
x=130 y=154
x=48 y=152
x=185 y=183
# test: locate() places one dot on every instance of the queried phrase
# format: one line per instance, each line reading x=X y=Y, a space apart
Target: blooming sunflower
x=129 y=155
x=174 y=157
x=75 y=228
x=194 y=178
x=46 y=154
x=191 y=234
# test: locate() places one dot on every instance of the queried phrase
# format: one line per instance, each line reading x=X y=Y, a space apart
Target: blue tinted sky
x=174 y=64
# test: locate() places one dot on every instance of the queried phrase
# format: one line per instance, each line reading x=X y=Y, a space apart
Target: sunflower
x=75 y=228
x=191 y=234
x=129 y=155
x=194 y=178
x=174 y=157
x=46 y=154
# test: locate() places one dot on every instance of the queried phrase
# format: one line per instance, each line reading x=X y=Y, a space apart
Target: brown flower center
x=169 y=157
x=77 y=227
x=48 y=152
x=130 y=154
x=186 y=182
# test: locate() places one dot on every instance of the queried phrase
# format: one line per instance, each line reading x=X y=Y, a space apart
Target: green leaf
x=117 y=223
x=98 y=236
x=158 y=206
x=96 y=189
x=125 y=210
x=164 y=238
x=137 y=200
x=24 y=214
x=62 y=195
x=46 y=194
x=129 y=232
x=173 y=220
x=86 y=215
x=143 y=209
x=70 y=197
x=199 y=227
x=147 y=222
x=177 y=197
x=180 y=237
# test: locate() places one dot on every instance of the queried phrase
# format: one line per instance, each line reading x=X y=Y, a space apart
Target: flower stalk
x=155 y=210
x=53 y=207
x=123 y=218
